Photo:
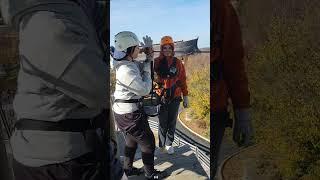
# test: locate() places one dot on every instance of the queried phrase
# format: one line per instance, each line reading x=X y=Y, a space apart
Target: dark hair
x=128 y=52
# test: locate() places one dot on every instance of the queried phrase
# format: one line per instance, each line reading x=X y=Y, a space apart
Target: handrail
x=220 y=175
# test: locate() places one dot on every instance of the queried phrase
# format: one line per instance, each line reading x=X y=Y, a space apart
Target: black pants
x=218 y=125
x=137 y=131
x=167 y=122
x=82 y=168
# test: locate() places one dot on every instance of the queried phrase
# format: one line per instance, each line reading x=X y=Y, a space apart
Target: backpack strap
x=173 y=65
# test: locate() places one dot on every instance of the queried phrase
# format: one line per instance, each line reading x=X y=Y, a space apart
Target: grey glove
x=185 y=102
x=147 y=46
x=242 y=130
x=147 y=42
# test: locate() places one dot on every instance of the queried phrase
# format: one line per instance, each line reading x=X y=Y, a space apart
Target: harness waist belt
x=128 y=101
x=70 y=125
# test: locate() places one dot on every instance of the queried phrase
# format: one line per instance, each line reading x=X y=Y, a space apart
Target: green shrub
x=284 y=79
x=199 y=90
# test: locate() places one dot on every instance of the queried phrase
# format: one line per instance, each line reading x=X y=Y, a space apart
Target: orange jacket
x=167 y=82
x=234 y=83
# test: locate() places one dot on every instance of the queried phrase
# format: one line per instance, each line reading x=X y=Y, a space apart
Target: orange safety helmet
x=167 y=40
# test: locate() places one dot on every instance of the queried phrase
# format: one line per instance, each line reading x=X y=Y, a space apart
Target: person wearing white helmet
x=133 y=81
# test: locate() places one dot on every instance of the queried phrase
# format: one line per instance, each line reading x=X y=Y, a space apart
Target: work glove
x=242 y=130
x=185 y=102
x=147 y=42
x=147 y=47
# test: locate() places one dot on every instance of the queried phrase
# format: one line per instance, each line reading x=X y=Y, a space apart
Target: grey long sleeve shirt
x=62 y=76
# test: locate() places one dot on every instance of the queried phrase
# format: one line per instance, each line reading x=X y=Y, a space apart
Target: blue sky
x=181 y=19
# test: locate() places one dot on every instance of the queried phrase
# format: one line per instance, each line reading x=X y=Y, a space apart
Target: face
x=135 y=52
x=167 y=50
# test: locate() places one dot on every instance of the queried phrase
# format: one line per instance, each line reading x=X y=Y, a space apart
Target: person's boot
x=128 y=162
x=162 y=150
x=170 y=149
x=157 y=175
x=134 y=171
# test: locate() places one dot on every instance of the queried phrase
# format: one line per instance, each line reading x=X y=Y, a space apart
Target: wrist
x=242 y=114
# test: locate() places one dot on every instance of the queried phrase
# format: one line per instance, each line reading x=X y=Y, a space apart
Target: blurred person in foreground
x=228 y=80
x=62 y=97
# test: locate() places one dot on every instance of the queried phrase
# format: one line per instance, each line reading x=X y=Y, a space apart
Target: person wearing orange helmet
x=171 y=81
x=228 y=80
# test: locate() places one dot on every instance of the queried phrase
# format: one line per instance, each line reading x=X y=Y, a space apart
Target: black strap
x=172 y=91
x=70 y=125
x=128 y=101
x=174 y=63
x=164 y=70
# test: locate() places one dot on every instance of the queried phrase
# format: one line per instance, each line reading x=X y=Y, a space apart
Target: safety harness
x=150 y=105
x=168 y=72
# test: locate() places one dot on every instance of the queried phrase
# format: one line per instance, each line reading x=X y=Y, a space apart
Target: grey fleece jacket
x=62 y=75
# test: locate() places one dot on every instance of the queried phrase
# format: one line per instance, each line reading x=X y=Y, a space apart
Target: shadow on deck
x=183 y=164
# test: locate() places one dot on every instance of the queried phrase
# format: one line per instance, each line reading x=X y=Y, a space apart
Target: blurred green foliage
x=198 y=81
x=284 y=80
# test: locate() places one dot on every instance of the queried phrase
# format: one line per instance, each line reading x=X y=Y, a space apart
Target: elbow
x=145 y=91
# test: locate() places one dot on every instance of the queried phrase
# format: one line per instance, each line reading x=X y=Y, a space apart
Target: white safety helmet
x=125 y=39
x=122 y=41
